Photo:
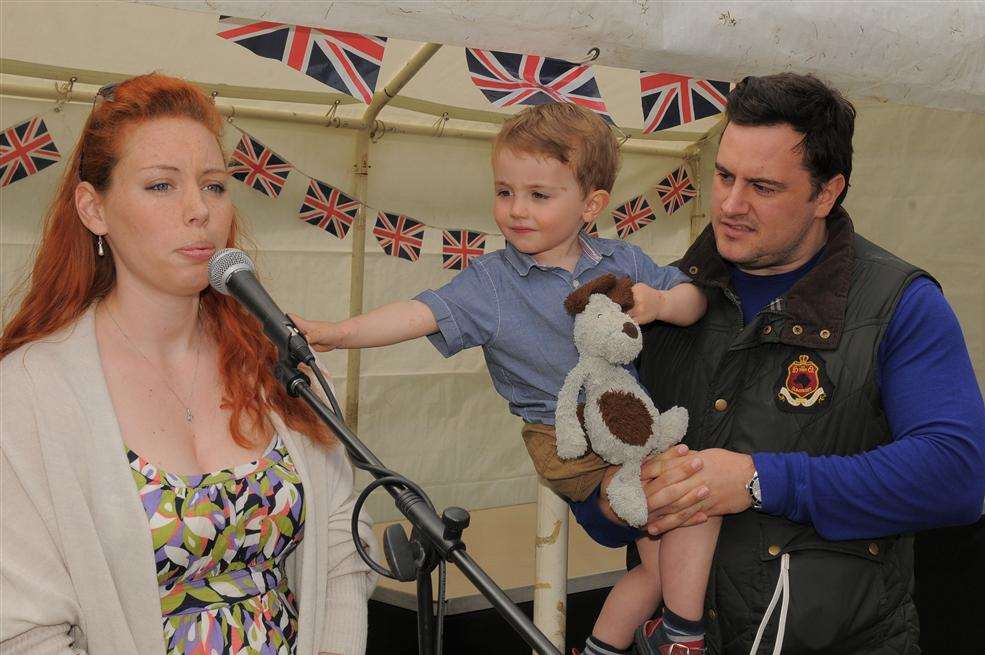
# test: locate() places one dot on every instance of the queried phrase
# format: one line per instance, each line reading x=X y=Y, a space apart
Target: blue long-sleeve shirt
x=933 y=472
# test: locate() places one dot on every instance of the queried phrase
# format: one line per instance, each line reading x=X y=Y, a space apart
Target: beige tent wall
x=918 y=191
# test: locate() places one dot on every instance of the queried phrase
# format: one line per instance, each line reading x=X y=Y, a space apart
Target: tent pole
x=696 y=154
x=551 y=566
x=398 y=81
x=356 y=271
x=634 y=146
x=361 y=169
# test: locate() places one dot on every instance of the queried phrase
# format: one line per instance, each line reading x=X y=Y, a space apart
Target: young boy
x=554 y=166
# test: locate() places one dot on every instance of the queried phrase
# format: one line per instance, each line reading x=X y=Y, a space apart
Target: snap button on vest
x=712 y=615
x=797 y=329
x=874 y=549
x=693 y=270
x=767 y=329
x=774 y=550
x=721 y=404
x=825 y=334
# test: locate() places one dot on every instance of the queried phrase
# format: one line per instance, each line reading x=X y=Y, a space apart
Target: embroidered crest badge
x=804 y=384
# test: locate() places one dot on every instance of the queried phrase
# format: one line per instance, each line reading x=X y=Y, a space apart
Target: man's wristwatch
x=754 y=492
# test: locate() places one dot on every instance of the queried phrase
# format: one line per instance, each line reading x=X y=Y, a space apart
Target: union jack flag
x=675 y=190
x=399 y=236
x=25 y=149
x=670 y=100
x=633 y=216
x=329 y=209
x=592 y=229
x=259 y=167
x=507 y=79
x=458 y=247
x=344 y=61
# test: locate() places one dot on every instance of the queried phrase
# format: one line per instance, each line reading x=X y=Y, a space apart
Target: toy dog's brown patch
x=626 y=417
x=619 y=290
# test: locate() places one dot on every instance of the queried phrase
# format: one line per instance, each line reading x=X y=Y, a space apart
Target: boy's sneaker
x=651 y=641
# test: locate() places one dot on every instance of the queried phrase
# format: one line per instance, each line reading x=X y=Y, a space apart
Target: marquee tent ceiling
x=916 y=53
x=190 y=48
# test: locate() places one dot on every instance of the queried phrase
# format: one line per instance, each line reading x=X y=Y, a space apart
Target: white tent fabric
x=916 y=187
x=921 y=53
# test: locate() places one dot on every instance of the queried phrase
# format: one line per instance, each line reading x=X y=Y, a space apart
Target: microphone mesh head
x=223 y=264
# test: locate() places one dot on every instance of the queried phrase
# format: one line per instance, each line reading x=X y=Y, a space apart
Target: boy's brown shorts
x=574 y=479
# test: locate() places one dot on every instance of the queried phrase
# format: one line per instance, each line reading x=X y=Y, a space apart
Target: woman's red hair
x=68 y=276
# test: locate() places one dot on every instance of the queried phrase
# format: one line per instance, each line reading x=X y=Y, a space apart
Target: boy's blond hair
x=569 y=133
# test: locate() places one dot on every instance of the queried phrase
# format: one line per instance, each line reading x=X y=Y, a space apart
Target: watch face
x=754 y=492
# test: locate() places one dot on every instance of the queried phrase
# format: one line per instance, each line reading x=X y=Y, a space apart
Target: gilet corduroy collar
x=815 y=305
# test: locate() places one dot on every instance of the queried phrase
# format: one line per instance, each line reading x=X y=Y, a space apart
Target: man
x=830 y=391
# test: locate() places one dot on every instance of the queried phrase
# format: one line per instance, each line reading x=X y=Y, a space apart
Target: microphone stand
x=433 y=538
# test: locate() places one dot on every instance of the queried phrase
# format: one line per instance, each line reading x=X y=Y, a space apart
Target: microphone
x=232 y=273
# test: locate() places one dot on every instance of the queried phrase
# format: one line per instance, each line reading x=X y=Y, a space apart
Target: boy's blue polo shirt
x=514 y=308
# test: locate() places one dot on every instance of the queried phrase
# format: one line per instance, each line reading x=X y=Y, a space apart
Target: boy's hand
x=648 y=303
x=681 y=305
x=323 y=336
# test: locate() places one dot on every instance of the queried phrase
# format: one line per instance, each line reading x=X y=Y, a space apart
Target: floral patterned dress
x=220 y=541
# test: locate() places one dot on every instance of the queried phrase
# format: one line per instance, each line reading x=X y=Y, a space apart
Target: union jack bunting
x=25 y=149
x=507 y=79
x=344 y=61
x=675 y=190
x=592 y=229
x=399 y=236
x=458 y=247
x=329 y=209
x=633 y=216
x=259 y=167
x=670 y=100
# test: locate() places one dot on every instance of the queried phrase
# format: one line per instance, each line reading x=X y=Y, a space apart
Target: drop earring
x=99 y=245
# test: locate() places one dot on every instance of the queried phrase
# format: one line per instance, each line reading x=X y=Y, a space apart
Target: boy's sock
x=594 y=646
x=678 y=629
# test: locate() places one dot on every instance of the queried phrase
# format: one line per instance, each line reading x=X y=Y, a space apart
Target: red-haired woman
x=155 y=475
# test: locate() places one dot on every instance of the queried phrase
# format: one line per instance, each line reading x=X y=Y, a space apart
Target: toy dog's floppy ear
x=619 y=290
x=622 y=293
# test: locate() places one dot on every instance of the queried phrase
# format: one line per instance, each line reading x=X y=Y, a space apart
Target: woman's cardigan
x=76 y=558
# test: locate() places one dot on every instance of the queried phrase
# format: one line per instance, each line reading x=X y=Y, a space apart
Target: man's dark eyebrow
x=754 y=180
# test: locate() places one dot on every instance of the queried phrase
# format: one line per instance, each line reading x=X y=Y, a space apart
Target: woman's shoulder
x=327 y=463
x=41 y=355
x=331 y=455
x=32 y=378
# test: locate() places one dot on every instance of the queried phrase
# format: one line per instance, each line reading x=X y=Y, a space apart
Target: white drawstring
x=782 y=586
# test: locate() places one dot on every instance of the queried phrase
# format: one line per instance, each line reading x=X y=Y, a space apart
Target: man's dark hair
x=809 y=106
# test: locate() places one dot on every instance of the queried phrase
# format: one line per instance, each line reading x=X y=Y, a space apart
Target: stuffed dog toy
x=620 y=420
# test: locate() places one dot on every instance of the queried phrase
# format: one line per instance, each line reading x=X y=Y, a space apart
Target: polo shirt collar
x=594 y=247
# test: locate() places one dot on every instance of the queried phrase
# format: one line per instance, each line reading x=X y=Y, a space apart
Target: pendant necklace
x=189 y=416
